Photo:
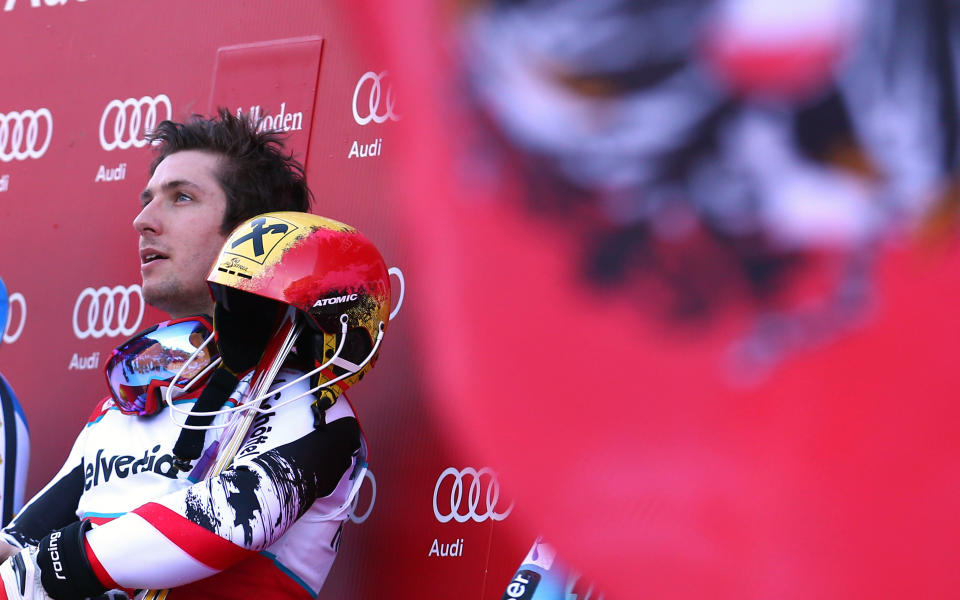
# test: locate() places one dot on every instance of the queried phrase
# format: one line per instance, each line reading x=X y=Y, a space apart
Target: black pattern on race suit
x=266 y=494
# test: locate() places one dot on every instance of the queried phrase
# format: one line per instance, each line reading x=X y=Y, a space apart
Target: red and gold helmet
x=330 y=272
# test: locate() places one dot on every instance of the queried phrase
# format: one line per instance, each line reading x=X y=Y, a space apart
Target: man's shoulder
x=291 y=383
x=289 y=408
x=102 y=408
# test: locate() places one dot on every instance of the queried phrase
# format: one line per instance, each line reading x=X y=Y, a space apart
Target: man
x=14 y=436
x=266 y=527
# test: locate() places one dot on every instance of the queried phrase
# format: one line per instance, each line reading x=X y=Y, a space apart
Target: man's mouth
x=149 y=256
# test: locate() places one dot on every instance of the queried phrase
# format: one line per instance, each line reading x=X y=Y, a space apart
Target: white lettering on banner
x=371 y=149
x=451 y=549
x=115 y=174
x=84 y=363
x=108 y=311
x=354 y=515
x=10 y=335
x=133 y=118
x=10 y=4
x=283 y=121
x=462 y=507
x=20 y=134
x=379 y=105
x=4 y=183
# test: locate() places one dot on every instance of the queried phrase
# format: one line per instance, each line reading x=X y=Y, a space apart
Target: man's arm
x=277 y=476
x=53 y=507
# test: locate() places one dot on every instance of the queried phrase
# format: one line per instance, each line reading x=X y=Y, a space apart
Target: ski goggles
x=178 y=353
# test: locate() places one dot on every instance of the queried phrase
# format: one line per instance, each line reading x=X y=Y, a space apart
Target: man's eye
x=183 y=198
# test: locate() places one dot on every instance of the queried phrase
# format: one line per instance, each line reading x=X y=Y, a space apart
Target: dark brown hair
x=256 y=173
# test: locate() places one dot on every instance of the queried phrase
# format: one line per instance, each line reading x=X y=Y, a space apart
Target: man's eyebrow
x=147 y=194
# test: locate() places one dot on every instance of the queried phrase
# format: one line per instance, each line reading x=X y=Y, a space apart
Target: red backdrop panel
x=96 y=74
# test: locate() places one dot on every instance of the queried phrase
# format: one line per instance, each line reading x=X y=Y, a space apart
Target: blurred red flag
x=624 y=442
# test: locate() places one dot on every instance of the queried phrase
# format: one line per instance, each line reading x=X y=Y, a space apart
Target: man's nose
x=146 y=220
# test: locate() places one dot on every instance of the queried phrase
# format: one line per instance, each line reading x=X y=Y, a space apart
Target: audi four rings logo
x=379 y=104
x=480 y=502
x=107 y=311
x=20 y=134
x=11 y=334
x=132 y=119
x=354 y=515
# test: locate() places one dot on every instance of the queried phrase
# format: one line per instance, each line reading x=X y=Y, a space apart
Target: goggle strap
x=189 y=445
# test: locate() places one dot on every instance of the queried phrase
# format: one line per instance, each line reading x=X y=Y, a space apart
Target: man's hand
x=20 y=577
x=57 y=567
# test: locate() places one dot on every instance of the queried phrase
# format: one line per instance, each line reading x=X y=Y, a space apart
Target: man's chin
x=160 y=295
x=176 y=301
x=152 y=296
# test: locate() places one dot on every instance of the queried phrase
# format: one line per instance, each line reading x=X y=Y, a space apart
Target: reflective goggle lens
x=140 y=366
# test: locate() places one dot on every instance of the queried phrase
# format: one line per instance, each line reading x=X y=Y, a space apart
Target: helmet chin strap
x=223 y=384
x=253 y=405
x=352 y=369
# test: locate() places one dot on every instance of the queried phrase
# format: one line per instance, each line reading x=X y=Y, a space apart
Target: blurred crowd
x=711 y=153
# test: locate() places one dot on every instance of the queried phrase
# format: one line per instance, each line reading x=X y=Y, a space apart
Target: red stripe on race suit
x=255 y=578
x=201 y=544
x=97 y=567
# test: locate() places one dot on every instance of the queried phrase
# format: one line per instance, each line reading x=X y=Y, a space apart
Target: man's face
x=179 y=227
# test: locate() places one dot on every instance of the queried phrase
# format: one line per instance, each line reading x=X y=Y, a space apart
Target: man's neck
x=188 y=311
